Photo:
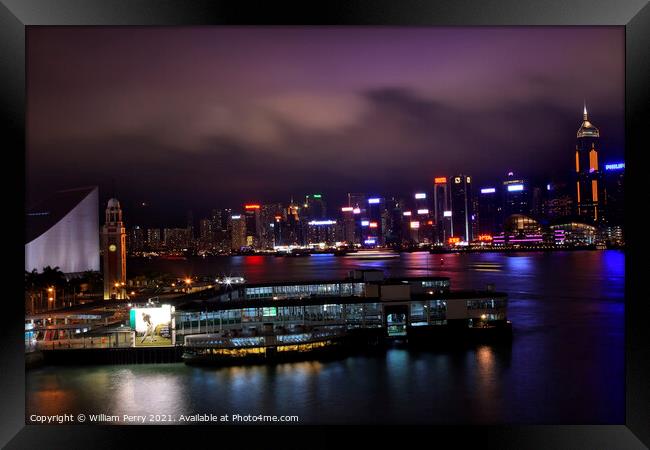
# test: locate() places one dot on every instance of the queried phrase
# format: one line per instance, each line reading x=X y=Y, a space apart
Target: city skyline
x=244 y=220
x=216 y=117
x=139 y=211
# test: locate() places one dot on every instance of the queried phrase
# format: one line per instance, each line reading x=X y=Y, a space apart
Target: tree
x=94 y=280
x=53 y=277
x=33 y=285
x=36 y=283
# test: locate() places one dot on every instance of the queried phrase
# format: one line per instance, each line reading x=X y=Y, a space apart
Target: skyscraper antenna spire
x=584 y=111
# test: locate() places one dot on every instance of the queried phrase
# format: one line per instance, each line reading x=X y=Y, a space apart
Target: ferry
x=298 y=343
x=255 y=322
x=373 y=254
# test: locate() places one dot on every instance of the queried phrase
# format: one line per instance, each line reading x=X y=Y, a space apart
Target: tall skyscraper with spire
x=114 y=249
x=589 y=195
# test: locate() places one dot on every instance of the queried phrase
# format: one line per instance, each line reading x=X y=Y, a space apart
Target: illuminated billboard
x=616 y=166
x=271 y=311
x=488 y=191
x=347 y=208
x=440 y=180
x=420 y=195
x=322 y=222
x=407 y=213
x=251 y=206
x=374 y=201
x=415 y=225
x=446 y=214
x=153 y=326
x=515 y=187
x=423 y=211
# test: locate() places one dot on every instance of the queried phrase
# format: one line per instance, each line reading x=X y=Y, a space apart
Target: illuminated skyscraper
x=176 y=239
x=206 y=233
x=348 y=225
x=321 y=231
x=614 y=186
x=441 y=210
x=490 y=221
x=516 y=196
x=314 y=207
x=253 y=225
x=559 y=201
x=392 y=221
x=371 y=225
x=291 y=232
x=588 y=193
x=136 y=240
x=359 y=203
x=220 y=229
x=237 y=231
x=114 y=248
x=422 y=213
x=268 y=214
x=153 y=238
x=461 y=207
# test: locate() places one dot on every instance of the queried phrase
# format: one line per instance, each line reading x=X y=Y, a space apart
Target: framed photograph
x=412 y=220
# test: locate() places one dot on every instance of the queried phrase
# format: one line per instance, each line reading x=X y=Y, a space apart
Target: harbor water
x=565 y=364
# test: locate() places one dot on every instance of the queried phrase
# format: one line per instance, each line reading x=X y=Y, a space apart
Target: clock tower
x=114 y=250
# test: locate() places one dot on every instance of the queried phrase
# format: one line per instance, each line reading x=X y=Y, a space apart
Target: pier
x=282 y=320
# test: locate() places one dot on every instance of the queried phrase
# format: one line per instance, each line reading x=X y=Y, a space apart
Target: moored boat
x=226 y=348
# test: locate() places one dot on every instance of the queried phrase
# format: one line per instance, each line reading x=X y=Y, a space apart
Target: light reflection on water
x=565 y=364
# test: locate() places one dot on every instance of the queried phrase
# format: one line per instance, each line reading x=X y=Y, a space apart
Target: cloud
x=209 y=117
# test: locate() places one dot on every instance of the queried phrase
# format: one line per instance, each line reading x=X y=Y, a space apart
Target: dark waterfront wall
x=128 y=355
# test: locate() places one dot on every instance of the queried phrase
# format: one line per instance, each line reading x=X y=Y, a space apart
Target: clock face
x=112 y=247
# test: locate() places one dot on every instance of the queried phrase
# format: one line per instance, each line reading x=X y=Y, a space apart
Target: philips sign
x=617 y=166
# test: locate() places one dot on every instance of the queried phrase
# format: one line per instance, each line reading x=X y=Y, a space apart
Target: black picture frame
x=634 y=15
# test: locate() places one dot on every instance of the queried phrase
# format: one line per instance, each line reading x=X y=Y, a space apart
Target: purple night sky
x=204 y=117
